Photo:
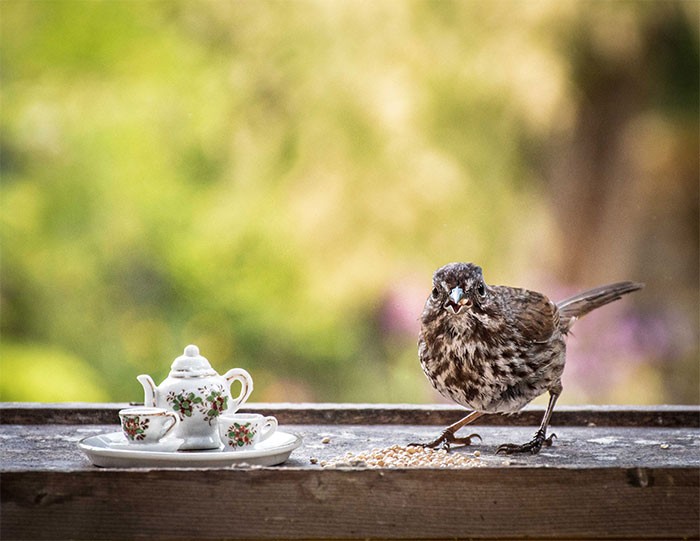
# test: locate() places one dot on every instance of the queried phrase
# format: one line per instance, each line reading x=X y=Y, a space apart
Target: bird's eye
x=481 y=289
x=435 y=293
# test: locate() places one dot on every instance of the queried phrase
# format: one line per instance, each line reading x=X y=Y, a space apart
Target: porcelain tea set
x=191 y=419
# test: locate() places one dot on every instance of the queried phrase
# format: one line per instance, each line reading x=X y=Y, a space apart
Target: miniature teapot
x=198 y=395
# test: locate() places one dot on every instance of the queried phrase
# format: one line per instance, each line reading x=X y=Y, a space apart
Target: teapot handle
x=239 y=374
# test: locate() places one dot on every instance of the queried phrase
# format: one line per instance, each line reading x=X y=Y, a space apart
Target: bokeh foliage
x=276 y=181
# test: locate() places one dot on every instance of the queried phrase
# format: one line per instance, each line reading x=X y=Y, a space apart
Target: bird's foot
x=532 y=447
x=446 y=439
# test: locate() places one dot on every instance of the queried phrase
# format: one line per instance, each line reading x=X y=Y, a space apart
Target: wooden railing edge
x=31 y=413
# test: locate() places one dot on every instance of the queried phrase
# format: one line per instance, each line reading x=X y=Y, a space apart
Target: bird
x=493 y=349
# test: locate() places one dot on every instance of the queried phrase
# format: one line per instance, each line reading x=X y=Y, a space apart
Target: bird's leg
x=540 y=439
x=448 y=437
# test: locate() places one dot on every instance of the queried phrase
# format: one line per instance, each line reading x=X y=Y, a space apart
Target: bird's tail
x=579 y=305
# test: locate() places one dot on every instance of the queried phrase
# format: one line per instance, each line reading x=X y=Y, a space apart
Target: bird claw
x=446 y=439
x=532 y=447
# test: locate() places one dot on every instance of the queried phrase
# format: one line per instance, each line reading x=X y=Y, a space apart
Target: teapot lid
x=191 y=364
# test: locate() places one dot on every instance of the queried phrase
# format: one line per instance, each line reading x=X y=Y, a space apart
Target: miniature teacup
x=147 y=425
x=242 y=431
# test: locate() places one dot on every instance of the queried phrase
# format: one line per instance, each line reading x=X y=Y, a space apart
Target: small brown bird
x=494 y=349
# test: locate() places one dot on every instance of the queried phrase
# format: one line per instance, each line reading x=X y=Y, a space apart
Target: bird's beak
x=456 y=295
x=456 y=300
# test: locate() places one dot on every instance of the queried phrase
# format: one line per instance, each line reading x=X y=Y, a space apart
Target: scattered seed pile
x=403 y=457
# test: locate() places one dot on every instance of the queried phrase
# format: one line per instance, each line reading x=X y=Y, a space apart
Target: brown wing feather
x=533 y=315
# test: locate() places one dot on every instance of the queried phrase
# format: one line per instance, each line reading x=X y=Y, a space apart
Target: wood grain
x=613 y=473
x=643 y=503
x=27 y=413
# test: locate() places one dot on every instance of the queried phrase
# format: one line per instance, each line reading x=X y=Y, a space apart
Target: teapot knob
x=191 y=364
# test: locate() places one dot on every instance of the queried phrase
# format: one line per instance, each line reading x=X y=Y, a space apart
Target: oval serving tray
x=109 y=451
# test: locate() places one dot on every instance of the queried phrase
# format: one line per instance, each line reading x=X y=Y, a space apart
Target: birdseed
x=397 y=456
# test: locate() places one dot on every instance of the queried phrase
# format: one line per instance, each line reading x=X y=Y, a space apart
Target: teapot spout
x=149 y=389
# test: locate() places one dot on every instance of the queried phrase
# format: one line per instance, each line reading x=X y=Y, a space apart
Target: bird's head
x=457 y=288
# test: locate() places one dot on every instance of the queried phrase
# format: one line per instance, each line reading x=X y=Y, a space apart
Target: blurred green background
x=277 y=181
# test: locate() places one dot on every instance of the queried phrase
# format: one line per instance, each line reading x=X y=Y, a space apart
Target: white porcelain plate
x=112 y=451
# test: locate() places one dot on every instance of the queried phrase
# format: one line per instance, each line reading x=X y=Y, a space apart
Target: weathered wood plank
x=54 y=447
x=370 y=414
x=614 y=472
x=640 y=503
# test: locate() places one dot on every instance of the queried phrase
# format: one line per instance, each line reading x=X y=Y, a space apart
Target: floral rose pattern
x=210 y=402
x=134 y=428
x=184 y=403
x=240 y=434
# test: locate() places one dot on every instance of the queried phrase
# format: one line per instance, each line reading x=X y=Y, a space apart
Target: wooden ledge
x=29 y=413
x=613 y=473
